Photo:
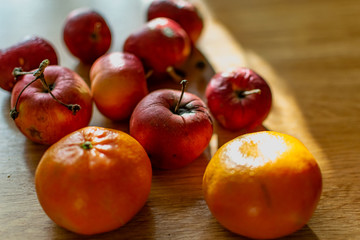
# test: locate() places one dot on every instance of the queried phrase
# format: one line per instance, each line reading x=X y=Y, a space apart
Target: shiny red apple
x=160 y=43
x=26 y=54
x=57 y=102
x=86 y=34
x=183 y=12
x=173 y=128
x=238 y=98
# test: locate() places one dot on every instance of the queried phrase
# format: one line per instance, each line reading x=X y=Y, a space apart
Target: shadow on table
x=142 y=222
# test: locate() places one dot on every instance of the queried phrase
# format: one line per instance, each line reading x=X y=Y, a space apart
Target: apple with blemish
x=49 y=103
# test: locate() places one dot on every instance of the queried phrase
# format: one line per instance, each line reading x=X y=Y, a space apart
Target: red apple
x=238 y=98
x=118 y=83
x=172 y=136
x=86 y=34
x=160 y=43
x=26 y=54
x=57 y=103
x=183 y=12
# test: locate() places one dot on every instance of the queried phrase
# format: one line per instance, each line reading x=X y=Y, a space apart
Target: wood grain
x=309 y=53
x=307 y=50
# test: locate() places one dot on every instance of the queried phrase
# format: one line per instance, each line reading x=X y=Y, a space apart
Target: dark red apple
x=56 y=102
x=27 y=55
x=183 y=12
x=238 y=98
x=86 y=34
x=172 y=136
x=160 y=43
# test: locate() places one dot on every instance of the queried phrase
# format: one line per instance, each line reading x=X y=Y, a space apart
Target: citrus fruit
x=262 y=185
x=93 y=180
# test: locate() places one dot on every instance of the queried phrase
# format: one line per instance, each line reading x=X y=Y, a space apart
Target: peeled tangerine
x=262 y=185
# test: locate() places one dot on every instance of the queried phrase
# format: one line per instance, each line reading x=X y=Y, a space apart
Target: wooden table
x=308 y=51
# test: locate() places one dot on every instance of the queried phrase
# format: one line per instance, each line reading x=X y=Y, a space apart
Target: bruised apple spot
x=21 y=61
x=79 y=203
x=42 y=118
x=34 y=133
x=60 y=116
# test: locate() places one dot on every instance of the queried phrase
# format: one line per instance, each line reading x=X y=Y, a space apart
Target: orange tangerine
x=262 y=185
x=93 y=180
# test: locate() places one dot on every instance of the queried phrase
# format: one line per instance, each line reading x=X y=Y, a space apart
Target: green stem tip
x=87 y=145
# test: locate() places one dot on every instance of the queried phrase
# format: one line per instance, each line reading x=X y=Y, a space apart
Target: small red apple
x=238 y=98
x=183 y=12
x=50 y=103
x=25 y=54
x=174 y=127
x=118 y=83
x=86 y=34
x=160 y=43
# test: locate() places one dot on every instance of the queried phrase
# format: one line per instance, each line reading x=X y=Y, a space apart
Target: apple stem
x=18 y=72
x=39 y=74
x=183 y=85
x=249 y=92
x=171 y=71
x=74 y=108
x=14 y=113
x=148 y=74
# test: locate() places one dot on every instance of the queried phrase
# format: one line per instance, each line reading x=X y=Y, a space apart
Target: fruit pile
x=94 y=179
